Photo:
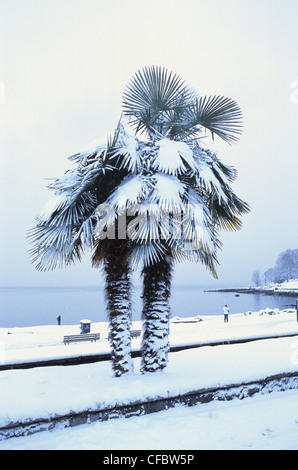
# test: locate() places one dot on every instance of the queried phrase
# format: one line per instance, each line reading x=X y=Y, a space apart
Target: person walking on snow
x=59 y=319
x=226 y=313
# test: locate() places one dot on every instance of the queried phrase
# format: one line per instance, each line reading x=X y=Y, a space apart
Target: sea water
x=31 y=306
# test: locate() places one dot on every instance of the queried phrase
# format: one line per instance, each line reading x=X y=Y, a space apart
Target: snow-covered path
x=39 y=343
x=261 y=422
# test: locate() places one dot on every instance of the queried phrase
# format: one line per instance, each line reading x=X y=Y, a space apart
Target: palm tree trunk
x=118 y=296
x=156 y=315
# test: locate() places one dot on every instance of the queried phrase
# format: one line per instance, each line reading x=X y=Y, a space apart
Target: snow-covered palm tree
x=179 y=174
x=66 y=227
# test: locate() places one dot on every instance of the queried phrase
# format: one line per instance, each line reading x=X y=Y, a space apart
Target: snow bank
x=262 y=422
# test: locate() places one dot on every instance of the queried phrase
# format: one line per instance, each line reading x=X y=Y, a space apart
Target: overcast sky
x=63 y=67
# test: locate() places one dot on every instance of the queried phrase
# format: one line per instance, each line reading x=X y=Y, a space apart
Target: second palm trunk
x=156 y=315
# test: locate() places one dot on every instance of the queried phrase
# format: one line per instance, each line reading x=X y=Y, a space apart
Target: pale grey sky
x=63 y=66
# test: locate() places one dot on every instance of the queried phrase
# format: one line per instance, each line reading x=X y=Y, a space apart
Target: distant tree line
x=285 y=268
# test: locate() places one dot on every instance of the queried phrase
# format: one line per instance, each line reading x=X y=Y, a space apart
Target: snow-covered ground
x=288 y=286
x=263 y=422
x=266 y=421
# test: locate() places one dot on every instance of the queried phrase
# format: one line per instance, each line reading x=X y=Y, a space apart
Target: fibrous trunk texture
x=118 y=296
x=156 y=315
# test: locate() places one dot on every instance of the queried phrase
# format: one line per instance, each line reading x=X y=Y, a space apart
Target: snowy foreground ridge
x=51 y=391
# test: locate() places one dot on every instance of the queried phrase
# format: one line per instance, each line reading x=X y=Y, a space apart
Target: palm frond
x=221 y=116
x=146 y=254
x=151 y=93
x=173 y=157
x=225 y=173
x=226 y=215
x=51 y=247
x=125 y=151
x=56 y=241
x=167 y=192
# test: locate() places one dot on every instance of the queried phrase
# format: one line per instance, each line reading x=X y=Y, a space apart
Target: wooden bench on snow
x=82 y=337
x=135 y=333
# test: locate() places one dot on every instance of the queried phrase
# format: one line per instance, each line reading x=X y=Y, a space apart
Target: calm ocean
x=31 y=306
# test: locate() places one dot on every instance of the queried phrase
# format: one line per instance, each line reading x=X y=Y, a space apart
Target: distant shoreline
x=254 y=290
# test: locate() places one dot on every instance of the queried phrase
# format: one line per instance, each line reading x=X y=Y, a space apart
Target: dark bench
x=135 y=333
x=82 y=337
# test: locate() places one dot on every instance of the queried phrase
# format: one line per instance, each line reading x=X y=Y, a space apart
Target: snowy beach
x=52 y=391
x=18 y=345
